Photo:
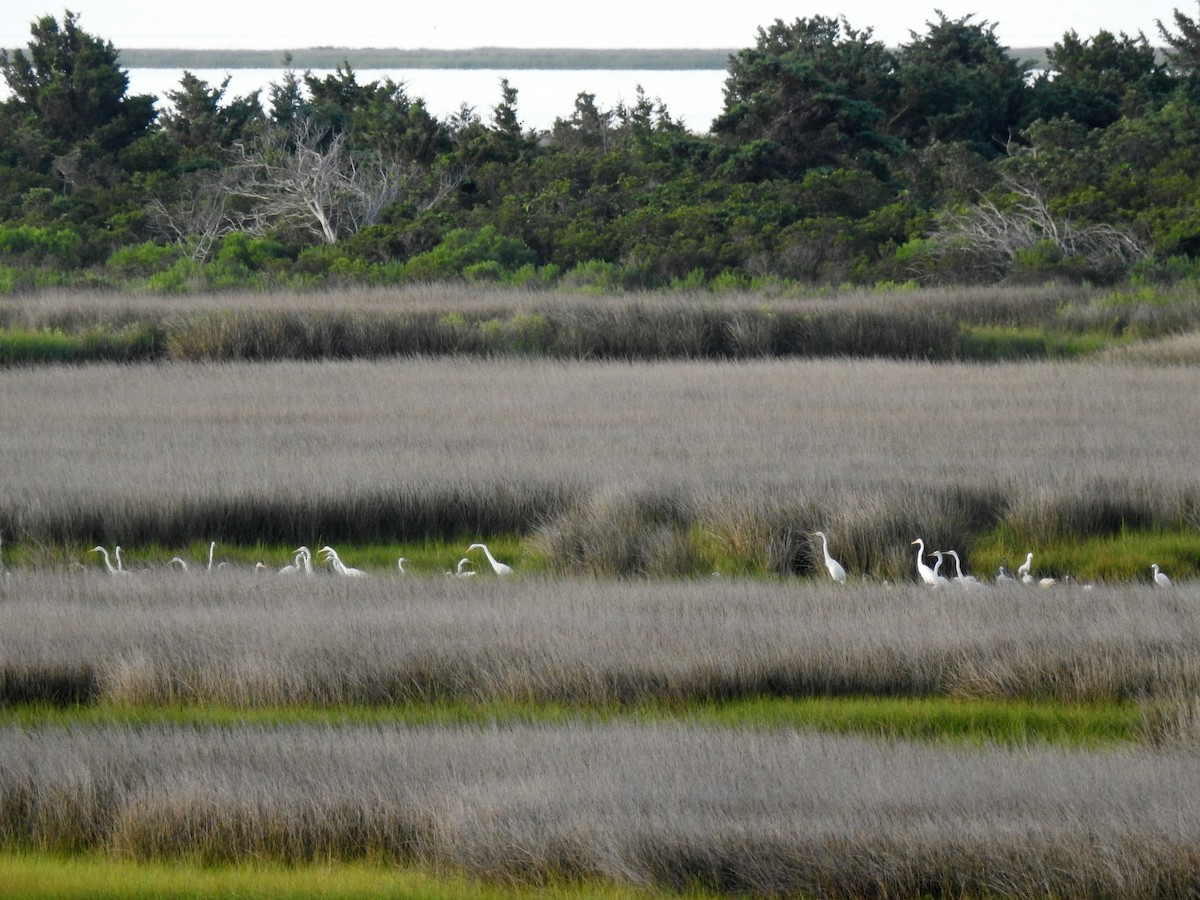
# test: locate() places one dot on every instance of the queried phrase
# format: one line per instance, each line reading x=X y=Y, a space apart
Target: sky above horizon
x=553 y=23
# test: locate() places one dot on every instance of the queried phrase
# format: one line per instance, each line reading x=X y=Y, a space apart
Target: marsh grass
x=983 y=323
x=677 y=468
x=675 y=807
x=96 y=877
x=246 y=641
x=975 y=721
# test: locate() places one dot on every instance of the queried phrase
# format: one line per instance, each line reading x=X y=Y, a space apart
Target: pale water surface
x=693 y=97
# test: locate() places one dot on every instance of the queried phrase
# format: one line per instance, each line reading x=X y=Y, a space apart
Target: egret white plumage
x=959 y=577
x=294 y=567
x=923 y=570
x=1160 y=578
x=331 y=556
x=498 y=567
x=1023 y=571
x=108 y=566
x=177 y=561
x=937 y=570
x=832 y=566
x=400 y=564
x=1002 y=576
x=211 y=548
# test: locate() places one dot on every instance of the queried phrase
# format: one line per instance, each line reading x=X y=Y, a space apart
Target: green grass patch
x=925 y=718
x=19 y=346
x=996 y=343
x=1124 y=556
x=97 y=878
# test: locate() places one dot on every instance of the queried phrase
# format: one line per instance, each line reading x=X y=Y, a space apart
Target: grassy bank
x=676 y=807
x=983 y=324
x=607 y=468
x=930 y=718
x=246 y=641
x=27 y=876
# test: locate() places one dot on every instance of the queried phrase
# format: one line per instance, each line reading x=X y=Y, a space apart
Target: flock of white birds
x=933 y=577
x=302 y=563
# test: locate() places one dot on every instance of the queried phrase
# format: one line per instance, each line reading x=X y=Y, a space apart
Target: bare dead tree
x=200 y=215
x=308 y=178
x=1000 y=232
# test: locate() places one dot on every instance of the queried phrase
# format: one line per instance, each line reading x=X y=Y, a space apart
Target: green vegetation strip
x=934 y=718
x=93 y=877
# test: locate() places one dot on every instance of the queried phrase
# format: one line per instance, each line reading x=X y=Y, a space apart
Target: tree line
x=835 y=160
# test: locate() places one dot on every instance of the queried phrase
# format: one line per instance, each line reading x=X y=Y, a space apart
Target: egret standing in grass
x=109 y=567
x=400 y=564
x=498 y=567
x=835 y=569
x=340 y=567
x=1160 y=578
x=1023 y=571
x=923 y=570
x=937 y=570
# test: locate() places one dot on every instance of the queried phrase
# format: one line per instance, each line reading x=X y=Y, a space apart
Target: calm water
x=693 y=97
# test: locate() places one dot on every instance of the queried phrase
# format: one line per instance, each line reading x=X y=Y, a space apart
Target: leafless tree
x=202 y=213
x=999 y=232
x=308 y=178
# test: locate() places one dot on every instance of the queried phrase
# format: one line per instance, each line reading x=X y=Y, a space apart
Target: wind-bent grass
x=671 y=806
x=235 y=639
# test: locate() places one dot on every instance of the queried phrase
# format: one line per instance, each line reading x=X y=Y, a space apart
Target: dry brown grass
x=159 y=637
x=775 y=813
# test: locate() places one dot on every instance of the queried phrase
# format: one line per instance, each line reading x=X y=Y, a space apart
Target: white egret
x=1002 y=576
x=959 y=577
x=1047 y=582
x=109 y=567
x=923 y=570
x=211 y=548
x=832 y=566
x=117 y=554
x=1023 y=570
x=331 y=556
x=176 y=561
x=400 y=564
x=260 y=566
x=1160 y=578
x=306 y=565
x=498 y=567
x=294 y=567
x=937 y=570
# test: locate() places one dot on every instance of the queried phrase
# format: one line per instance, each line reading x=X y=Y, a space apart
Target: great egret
x=937 y=569
x=293 y=568
x=400 y=564
x=923 y=570
x=959 y=577
x=176 y=561
x=1002 y=576
x=1023 y=570
x=340 y=567
x=1160 y=578
x=211 y=548
x=305 y=559
x=832 y=566
x=109 y=567
x=498 y=567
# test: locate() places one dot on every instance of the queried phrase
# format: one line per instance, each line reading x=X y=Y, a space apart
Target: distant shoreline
x=385 y=58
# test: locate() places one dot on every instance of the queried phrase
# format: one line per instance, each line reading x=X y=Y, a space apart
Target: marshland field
x=668 y=695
